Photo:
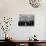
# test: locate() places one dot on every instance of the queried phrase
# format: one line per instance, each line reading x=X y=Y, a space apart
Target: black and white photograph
x=26 y=20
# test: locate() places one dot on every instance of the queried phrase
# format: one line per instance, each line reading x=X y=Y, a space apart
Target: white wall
x=12 y=8
x=45 y=28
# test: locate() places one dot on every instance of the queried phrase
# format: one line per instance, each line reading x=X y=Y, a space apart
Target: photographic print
x=26 y=20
